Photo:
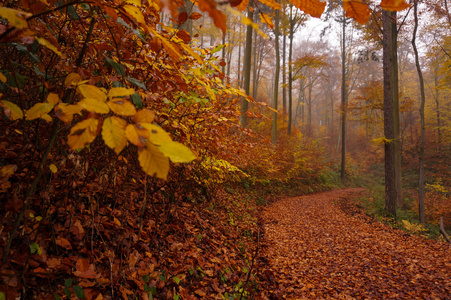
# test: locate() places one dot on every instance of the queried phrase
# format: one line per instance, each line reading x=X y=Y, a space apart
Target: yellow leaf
x=157 y=135
x=65 y=112
x=394 y=5
x=47 y=118
x=38 y=110
x=267 y=20
x=53 y=99
x=116 y=221
x=314 y=8
x=72 y=79
x=12 y=111
x=219 y=18
x=357 y=10
x=53 y=168
x=136 y=134
x=91 y=91
x=120 y=92
x=381 y=141
x=47 y=44
x=83 y=133
x=177 y=152
x=153 y=161
x=135 y=2
x=94 y=105
x=168 y=46
x=15 y=18
x=144 y=116
x=113 y=133
x=7 y=171
x=122 y=107
x=2 y=77
x=135 y=13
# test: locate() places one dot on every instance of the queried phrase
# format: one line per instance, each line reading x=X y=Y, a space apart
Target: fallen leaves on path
x=315 y=247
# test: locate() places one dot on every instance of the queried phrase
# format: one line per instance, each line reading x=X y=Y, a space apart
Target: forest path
x=320 y=247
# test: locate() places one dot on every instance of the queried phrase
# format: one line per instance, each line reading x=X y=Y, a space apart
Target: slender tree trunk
x=284 y=72
x=239 y=60
x=290 y=72
x=344 y=101
x=437 y=109
x=389 y=70
x=276 y=78
x=247 y=66
x=254 y=67
x=422 y=102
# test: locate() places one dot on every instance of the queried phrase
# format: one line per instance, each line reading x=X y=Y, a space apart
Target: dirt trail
x=318 y=247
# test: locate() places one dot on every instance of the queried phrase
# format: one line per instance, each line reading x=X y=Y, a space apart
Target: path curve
x=317 y=247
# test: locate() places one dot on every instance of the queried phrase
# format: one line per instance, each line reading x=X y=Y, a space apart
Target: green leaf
x=57 y=297
x=177 y=297
x=67 y=292
x=116 y=66
x=136 y=82
x=147 y=288
x=137 y=100
x=146 y=278
x=68 y=282
x=153 y=290
x=163 y=278
x=72 y=13
x=35 y=248
x=79 y=292
x=2 y=296
x=217 y=49
x=176 y=279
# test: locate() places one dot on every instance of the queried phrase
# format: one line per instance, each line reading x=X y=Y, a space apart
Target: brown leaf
x=84 y=269
x=62 y=242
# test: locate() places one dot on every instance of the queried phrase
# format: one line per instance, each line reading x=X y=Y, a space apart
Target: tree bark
x=247 y=66
x=290 y=72
x=390 y=71
x=422 y=102
x=344 y=102
x=276 y=78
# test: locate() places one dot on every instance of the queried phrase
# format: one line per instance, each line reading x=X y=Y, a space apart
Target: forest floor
x=322 y=246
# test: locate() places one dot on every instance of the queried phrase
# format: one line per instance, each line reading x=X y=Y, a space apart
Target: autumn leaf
x=94 y=105
x=272 y=4
x=153 y=161
x=136 y=134
x=219 y=18
x=243 y=5
x=53 y=168
x=72 y=79
x=144 y=116
x=135 y=13
x=120 y=92
x=82 y=133
x=91 y=91
x=38 y=111
x=65 y=112
x=2 y=77
x=53 y=99
x=195 y=16
x=314 y=8
x=16 y=18
x=84 y=269
x=267 y=20
x=157 y=135
x=177 y=152
x=122 y=107
x=11 y=110
x=113 y=133
x=394 y=5
x=357 y=10
x=47 y=44
x=62 y=242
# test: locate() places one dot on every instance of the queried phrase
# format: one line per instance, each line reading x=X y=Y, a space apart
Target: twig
x=252 y=263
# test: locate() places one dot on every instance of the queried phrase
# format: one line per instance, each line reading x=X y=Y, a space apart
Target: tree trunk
x=344 y=101
x=247 y=66
x=284 y=72
x=290 y=72
x=276 y=78
x=389 y=70
x=422 y=102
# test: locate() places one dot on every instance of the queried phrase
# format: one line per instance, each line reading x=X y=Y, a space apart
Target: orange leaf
x=266 y=19
x=314 y=8
x=62 y=242
x=218 y=16
x=144 y=116
x=84 y=269
x=195 y=16
x=394 y=5
x=357 y=10
x=271 y=3
x=242 y=6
